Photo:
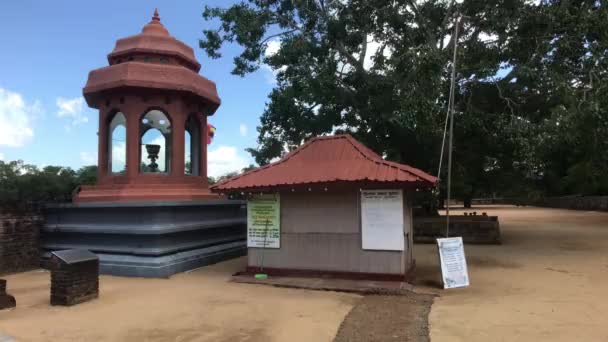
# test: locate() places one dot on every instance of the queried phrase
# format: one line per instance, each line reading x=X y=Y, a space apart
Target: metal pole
x=445 y=126
x=445 y=131
x=451 y=108
x=264 y=247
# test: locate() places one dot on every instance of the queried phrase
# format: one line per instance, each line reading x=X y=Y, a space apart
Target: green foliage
x=530 y=101
x=23 y=186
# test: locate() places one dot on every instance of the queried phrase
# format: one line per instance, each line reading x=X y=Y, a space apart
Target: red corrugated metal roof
x=327 y=159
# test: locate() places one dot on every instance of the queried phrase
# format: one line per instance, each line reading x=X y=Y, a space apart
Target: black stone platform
x=149 y=239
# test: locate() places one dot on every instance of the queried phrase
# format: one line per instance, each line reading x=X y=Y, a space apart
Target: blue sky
x=48 y=48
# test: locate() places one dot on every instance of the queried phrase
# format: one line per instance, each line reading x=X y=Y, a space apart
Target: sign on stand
x=454 y=270
x=264 y=221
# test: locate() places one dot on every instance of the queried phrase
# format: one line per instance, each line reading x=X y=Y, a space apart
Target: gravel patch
x=388 y=318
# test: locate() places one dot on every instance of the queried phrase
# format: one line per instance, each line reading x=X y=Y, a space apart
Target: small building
x=332 y=206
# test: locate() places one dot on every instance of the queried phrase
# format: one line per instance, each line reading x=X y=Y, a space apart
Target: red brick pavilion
x=151 y=213
x=150 y=90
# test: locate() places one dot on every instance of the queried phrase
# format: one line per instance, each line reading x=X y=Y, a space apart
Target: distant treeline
x=25 y=187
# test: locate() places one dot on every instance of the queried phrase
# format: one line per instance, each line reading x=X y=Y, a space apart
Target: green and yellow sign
x=264 y=221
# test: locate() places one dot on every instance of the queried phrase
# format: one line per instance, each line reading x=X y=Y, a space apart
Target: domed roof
x=153 y=60
x=154 y=39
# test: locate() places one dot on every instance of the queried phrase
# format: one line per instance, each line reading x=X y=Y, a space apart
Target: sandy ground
x=547 y=282
x=197 y=306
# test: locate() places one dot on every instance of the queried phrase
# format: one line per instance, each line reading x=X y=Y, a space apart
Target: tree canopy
x=23 y=186
x=530 y=98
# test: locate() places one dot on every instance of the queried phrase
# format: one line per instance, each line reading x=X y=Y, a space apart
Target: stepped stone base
x=149 y=239
x=151 y=188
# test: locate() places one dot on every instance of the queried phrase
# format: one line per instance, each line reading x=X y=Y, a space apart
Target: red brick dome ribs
x=151 y=76
x=154 y=39
x=152 y=59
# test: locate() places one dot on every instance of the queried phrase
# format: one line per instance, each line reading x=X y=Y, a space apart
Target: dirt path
x=547 y=282
x=197 y=306
x=400 y=318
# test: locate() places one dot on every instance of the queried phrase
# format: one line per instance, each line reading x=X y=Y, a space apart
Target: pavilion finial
x=156 y=17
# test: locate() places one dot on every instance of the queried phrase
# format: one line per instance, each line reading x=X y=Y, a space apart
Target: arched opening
x=192 y=146
x=155 y=141
x=117 y=144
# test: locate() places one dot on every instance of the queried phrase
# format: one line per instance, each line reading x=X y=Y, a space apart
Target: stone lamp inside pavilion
x=151 y=213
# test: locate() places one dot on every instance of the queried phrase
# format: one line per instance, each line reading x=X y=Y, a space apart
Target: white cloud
x=243 y=129
x=1 y=156
x=72 y=109
x=372 y=48
x=272 y=47
x=224 y=159
x=119 y=156
x=88 y=158
x=15 y=119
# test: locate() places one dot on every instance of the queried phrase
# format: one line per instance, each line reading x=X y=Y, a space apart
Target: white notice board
x=382 y=220
x=453 y=263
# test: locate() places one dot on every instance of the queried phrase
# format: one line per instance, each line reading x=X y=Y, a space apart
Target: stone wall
x=599 y=203
x=577 y=202
x=19 y=242
x=473 y=229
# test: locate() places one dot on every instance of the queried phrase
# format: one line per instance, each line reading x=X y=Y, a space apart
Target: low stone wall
x=576 y=202
x=19 y=243
x=473 y=229
x=599 y=203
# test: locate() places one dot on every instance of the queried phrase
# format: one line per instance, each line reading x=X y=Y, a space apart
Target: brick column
x=179 y=130
x=102 y=148
x=133 y=122
x=203 y=148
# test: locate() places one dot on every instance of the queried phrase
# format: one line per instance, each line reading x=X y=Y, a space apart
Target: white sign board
x=264 y=221
x=382 y=220
x=453 y=263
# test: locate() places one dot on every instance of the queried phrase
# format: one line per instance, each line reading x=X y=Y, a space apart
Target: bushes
x=25 y=187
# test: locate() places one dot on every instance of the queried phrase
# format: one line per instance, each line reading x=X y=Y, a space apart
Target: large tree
x=380 y=70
